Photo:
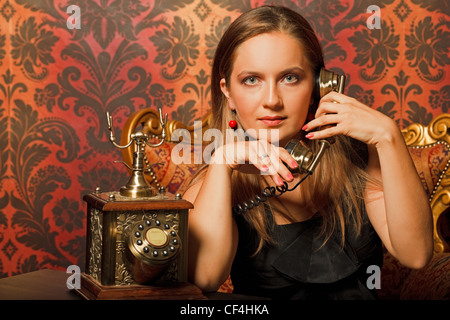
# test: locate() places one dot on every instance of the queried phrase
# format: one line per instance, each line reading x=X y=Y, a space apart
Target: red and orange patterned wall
x=61 y=72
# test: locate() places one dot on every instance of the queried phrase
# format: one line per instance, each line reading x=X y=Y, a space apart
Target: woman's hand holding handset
x=340 y=114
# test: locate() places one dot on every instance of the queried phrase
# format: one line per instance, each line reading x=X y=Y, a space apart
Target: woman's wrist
x=389 y=136
x=218 y=159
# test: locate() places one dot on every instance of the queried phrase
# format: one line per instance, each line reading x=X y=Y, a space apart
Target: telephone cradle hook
x=137 y=186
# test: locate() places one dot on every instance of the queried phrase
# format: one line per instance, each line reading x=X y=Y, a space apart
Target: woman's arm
x=213 y=234
x=399 y=211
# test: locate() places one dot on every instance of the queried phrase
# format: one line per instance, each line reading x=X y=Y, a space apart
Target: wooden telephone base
x=91 y=289
x=109 y=270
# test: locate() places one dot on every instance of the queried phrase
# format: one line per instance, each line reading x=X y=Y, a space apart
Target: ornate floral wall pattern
x=57 y=83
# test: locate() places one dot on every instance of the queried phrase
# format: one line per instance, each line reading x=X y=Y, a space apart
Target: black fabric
x=299 y=266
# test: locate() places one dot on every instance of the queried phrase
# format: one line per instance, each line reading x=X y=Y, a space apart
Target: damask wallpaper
x=61 y=70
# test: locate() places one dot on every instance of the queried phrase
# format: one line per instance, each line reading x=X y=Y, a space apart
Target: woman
x=318 y=240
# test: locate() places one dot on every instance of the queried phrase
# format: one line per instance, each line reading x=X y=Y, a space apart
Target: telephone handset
x=326 y=81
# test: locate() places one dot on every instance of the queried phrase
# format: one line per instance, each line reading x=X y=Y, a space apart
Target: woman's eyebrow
x=295 y=69
x=247 y=72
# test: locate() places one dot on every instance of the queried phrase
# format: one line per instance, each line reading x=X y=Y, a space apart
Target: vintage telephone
x=326 y=81
x=137 y=236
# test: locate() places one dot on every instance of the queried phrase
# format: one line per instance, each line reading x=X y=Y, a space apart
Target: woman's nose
x=272 y=97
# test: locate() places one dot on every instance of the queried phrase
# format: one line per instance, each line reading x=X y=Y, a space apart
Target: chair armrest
x=429 y=283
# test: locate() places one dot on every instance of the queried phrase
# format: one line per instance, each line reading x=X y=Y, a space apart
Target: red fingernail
x=290 y=177
x=309 y=135
x=279 y=181
x=264 y=167
x=294 y=164
x=305 y=127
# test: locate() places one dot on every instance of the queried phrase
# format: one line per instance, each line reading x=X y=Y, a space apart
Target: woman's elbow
x=418 y=263
x=208 y=287
x=420 y=258
x=423 y=259
x=206 y=284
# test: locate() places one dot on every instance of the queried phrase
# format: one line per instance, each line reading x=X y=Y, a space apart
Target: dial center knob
x=156 y=237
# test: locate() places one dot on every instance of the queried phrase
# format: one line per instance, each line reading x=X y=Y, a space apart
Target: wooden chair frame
x=418 y=136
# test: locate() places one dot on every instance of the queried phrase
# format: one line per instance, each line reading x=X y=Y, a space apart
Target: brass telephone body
x=136 y=237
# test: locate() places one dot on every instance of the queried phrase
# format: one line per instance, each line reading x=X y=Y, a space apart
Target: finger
x=259 y=160
x=328 y=107
x=277 y=167
x=288 y=159
x=323 y=133
x=325 y=120
x=284 y=173
x=264 y=158
x=334 y=96
x=267 y=159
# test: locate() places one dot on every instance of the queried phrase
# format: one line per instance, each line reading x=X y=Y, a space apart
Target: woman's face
x=271 y=85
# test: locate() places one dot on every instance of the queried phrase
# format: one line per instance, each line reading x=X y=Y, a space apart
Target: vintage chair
x=429 y=147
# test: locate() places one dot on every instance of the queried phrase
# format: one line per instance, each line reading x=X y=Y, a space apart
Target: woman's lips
x=272 y=121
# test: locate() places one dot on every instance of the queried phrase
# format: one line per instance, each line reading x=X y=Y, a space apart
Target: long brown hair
x=336 y=188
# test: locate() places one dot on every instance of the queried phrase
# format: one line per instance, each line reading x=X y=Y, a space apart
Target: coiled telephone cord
x=268 y=192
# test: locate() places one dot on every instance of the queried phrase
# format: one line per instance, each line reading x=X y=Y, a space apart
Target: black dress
x=299 y=266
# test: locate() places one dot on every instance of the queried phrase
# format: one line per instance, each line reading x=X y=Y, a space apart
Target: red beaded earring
x=233 y=123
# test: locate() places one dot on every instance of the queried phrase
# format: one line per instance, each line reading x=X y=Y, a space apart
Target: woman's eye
x=291 y=78
x=250 y=80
